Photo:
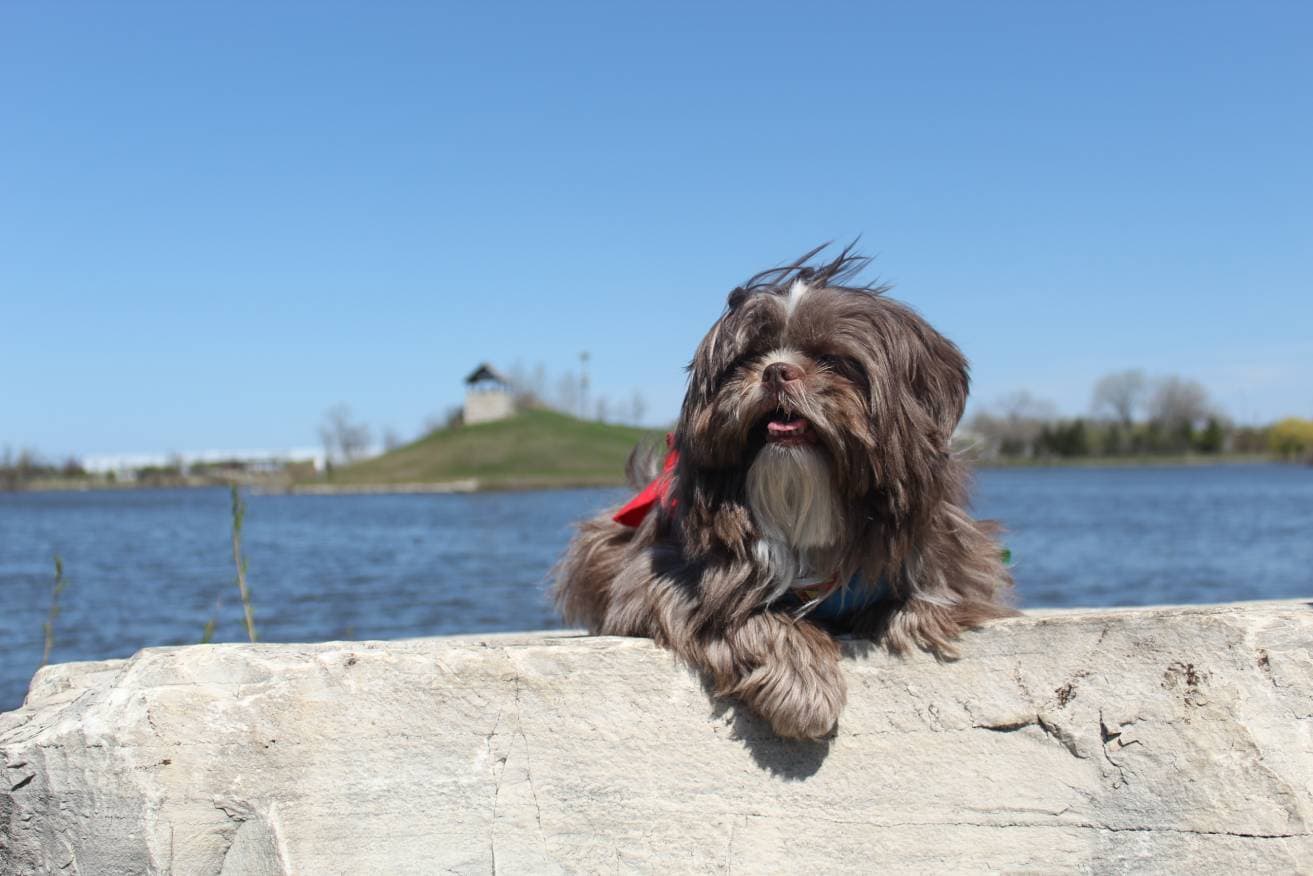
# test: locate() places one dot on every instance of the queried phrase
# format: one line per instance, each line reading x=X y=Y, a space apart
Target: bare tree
x=521 y=386
x=1013 y=423
x=1120 y=395
x=432 y=423
x=448 y=419
x=538 y=383
x=343 y=439
x=517 y=375
x=528 y=388
x=567 y=393
x=603 y=409
x=1178 y=402
x=637 y=408
x=391 y=440
x=1022 y=407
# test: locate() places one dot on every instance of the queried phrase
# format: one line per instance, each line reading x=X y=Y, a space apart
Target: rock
x=1164 y=739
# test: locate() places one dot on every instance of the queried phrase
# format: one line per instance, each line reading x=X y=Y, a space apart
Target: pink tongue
x=792 y=427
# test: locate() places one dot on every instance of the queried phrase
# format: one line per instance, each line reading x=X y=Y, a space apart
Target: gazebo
x=488 y=395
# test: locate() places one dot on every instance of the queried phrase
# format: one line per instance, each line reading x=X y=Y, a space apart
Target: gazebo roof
x=486 y=372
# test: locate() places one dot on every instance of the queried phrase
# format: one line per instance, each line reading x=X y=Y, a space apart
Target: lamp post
x=583 y=385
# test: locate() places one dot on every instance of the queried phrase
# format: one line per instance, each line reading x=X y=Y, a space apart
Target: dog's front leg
x=785 y=670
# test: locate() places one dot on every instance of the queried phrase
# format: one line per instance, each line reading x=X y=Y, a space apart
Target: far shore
x=1140 y=461
x=282 y=486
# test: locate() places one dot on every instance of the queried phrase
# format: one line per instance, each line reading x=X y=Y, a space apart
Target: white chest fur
x=794 y=506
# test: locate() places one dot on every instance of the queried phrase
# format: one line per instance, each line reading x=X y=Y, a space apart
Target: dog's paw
x=800 y=690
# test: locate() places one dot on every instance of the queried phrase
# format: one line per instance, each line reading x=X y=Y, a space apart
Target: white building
x=124 y=465
x=488 y=396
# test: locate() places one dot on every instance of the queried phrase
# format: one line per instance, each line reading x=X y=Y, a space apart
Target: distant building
x=488 y=396
x=124 y=466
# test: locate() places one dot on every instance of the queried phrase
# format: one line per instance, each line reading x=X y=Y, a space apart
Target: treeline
x=570 y=393
x=20 y=468
x=1131 y=414
x=28 y=469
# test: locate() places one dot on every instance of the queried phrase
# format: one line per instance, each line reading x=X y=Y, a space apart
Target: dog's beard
x=793 y=501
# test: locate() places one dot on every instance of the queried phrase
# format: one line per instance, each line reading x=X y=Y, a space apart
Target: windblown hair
x=865 y=488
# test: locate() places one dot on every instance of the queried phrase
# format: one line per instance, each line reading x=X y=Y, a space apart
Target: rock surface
x=1165 y=740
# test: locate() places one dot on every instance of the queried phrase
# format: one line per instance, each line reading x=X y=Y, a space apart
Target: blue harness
x=842 y=602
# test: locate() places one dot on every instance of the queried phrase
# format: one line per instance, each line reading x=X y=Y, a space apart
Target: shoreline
x=527 y=484
x=1145 y=461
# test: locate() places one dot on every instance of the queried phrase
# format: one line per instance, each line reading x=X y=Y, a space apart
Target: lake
x=150 y=567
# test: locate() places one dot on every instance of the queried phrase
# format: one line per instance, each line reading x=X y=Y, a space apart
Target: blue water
x=151 y=567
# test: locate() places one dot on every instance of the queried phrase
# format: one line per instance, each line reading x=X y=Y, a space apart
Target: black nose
x=780 y=373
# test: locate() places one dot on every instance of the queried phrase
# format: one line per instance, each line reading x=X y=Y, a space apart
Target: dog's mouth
x=788 y=429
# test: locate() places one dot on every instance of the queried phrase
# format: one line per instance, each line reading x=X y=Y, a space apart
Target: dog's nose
x=778 y=373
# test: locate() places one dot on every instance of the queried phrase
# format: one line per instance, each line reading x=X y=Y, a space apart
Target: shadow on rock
x=789 y=759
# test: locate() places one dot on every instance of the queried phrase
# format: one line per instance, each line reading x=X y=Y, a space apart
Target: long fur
x=878 y=495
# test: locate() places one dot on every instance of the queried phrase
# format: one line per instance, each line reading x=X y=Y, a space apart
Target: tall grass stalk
x=239 y=514
x=207 y=634
x=49 y=626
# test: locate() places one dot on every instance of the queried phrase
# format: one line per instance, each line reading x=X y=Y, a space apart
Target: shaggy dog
x=809 y=491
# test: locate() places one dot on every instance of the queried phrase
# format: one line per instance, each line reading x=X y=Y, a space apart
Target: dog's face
x=805 y=381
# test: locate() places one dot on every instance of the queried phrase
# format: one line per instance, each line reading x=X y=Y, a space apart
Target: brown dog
x=810 y=490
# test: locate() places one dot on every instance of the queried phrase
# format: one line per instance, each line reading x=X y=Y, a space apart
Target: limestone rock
x=1163 y=740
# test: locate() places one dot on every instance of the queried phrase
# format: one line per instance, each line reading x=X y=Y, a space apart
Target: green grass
x=239 y=560
x=48 y=628
x=532 y=449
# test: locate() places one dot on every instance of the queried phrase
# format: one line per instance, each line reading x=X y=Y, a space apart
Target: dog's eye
x=734 y=367
x=847 y=368
x=841 y=364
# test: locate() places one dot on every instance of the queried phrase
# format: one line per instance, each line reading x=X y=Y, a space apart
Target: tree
x=1250 y=439
x=637 y=408
x=1177 y=400
x=1177 y=407
x=538 y=383
x=1120 y=395
x=524 y=386
x=8 y=476
x=1114 y=440
x=1021 y=406
x=343 y=440
x=567 y=393
x=603 y=409
x=448 y=419
x=391 y=440
x=1291 y=438
x=1014 y=423
x=1213 y=437
x=1064 y=439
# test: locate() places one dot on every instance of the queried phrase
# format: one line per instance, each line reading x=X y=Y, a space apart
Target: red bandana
x=637 y=508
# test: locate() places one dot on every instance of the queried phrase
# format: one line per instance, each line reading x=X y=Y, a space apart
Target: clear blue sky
x=216 y=220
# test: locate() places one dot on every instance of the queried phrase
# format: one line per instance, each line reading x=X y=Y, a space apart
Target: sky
x=217 y=220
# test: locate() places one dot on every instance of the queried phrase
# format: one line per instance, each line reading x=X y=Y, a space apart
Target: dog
x=809 y=491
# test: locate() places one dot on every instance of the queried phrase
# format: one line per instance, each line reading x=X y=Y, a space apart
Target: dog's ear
x=932 y=378
x=941 y=379
x=708 y=360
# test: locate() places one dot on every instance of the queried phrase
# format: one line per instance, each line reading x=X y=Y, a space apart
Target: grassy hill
x=532 y=449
